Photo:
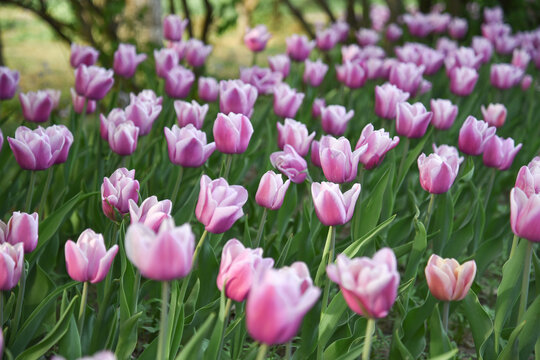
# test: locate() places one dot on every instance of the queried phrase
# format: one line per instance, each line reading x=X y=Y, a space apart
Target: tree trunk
x=351 y=16
x=208 y=18
x=187 y=15
x=300 y=17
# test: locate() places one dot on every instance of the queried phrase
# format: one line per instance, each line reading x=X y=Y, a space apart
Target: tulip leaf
x=194 y=345
x=418 y=248
x=354 y=249
x=530 y=334
x=215 y=340
x=127 y=337
x=479 y=322
x=330 y=318
x=411 y=157
x=439 y=342
x=446 y=356
x=70 y=345
x=442 y=219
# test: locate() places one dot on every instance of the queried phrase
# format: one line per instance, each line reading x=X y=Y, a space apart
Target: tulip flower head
x=80 y=102
x=151 y=213
x=237 y=97
x=393 y=32
x=438 y=170
x=126 y=60
x=338 y=161
x=142 y=114
x=473 y=136
x=208 y=89
x=256 y=38
x=412 y=120
x=499 y=153
x=352 y=74
x=187 y=146
x=290 y=163
x=314 y=72
x=11 y=267
x=326 y=39
x=22 y=228
x=280 y=63
x=9 y=80
x=82 y=55
x=331 y=205
x=117 y=190
x=505 y=76
x=457 y=28
x=165 y=60
x=123 y=137
x=528 y=179
x=316 y=108
x=93 y=82
x=463 y=80
x=178 y=82
x=299 y=47
x=287 y=101
x=197 y=52
x=378 y=144
x=264 y=79
x=444 y=113
x=296 y=134
x=271 y=191
x=232 y=133
x=494 y=114
x=173 y=27
x=447 y=279
x=407 y=77
x=36 y=106
x=190 y=113
x=334 y=119
x=366 y=37
x=387 y=96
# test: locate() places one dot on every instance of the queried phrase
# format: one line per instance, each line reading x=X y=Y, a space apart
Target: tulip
x=232 y=133
x=281 y=315
x=102 y=355
x=524 y=214
x=447 y=279
x=1 y=139
x=208 y=89
x=387 y=96
x=444 y=113
x=520 y=58
x=34 y=149
x=314 y=72
x=79 y=103
x=493 y=15
x=366 y=37
x=494 y=114
x=483 y=48
x=178 y=82
x=373 y=68
x=296 y=134
x=331 y=205
x=352 y=74
x=505 y=76
x=290 y=164
x=88 y=259
x=165 y=59
x=123 y=137
x=299 y=47
x=393 y=32
x=151 y=213
x=326 y=39
x=338 y=161
x=334 y=119
x=463 y=80
x=528 y=179
x=82 y=55
x=117 y=190
x=369 y=286
x=315 y=153
x=237 y=97
x=256 y=38
x=36 y=106
x=190 y=113
x=173 y=27
x=164 y=256
x=238 y=268
x=146 y=96
x=21 y=228
x=264 y=79
x=342 y=30
x=473 y=136
x=412 y=120
x=9 y=80
x=449 y=153
x=220 y=204
x=425 y=87
x=526 y=82
x=116 y=117
x=280 y=63
x=316 y=108
x=54 y=95
x=126 y=60
x=407 y=77
x=11 y=267
x=351 y=53
x=287 y=101
x=458 y=28
x=187 y=146
x=142 y=114
x=271 y=191
x=62 y=139
x=417 y=24
x=506 y=44
x=378 y=144
x=437 y=173
x=462 y=57
x=440 y=22
x=446 y=46
x=499 y=153
x=197 y=52
x=379 y=16
x=93 y=82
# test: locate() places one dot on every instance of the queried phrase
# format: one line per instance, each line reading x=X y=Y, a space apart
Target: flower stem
x=28 y=205
x=228 y=162
x=261 y=228
x=429 y=211
x=225 y=318
x=514 y=245
x=288 y=350
x=83 y=307
x=177 y=185
x=370 y=328
x=262 y=352
x=20 y=298
x=525 y=282
x=405 y=152
x=199 y=246
x=326 y=254
x=45 y=192
x=163 y=322
x=446 y=311
x=490 y=186
x=1 y=311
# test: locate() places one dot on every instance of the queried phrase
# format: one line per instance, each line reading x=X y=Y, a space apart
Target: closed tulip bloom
x=238 y=268
x=11 y=267
x=280 y=63
x=473 y=136
x=482 y=47
x=326 y=39
x=493 y=15
x=373 y=68
x=315 y=153
x=79 y=103
x=352 y=74
x=458 y=28
x=123 y=137
x=437 y=173
x=173 y=27
x=369 y=286
x=407 y=77
x=278 y=301
x=82 y=55
x=378 y=143
x=178 y=82
x=506 y=44
x=331 y=205
x=146 y=96
x=264 y=79
x=418 y=24
x=142 y=114
x=338 y=161
x=180 y=48
x=54 y=95
x=126 y=60
x=528 y=179
x=494 y=114
x=237 y=97
x=446 y=46
x=88 y=259
x=34 y=149
x=450 y=154
x=299 y=47
x=520 y=58
x=93 y=82
x=290 y=164
x=220 y=204
x=164 y=256
x=351 y=53
x=412 y=120
x=271 y=191
x=447 y=279
x=334 y=119
x=36 y=106
x=102 y=355
x=387 y=96
x=314 y=72
x=61 y=138
x=9 y=80
x=165 y=60
x=232 y=133
x=187 y=146
x=256 y=38
x=439 y=22
x=499 y=153
x=316 y=108
x=505 y=76
x=21 y=228
x=190 y=113
x=463 y=80
x=197 y=52
x=208 y=89
x=524 y=214
x=117 y=190
x=342 y=30
x=366 y=37
x=526 y=82
x=444 y=113
x=393 y=32
x=151 y=213
x=116 y=117
x=295 y=134
x=287 y=101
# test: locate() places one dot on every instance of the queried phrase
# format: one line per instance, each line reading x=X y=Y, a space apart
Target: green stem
x=28 y=205
x=2 y=311
x=288 y=350
x=20 y=298
x=525 y=282
x=446 y=311
x=262 y=352
x=225 y=318
x=177 y=185
x=514 y=245
x=490 y=186
x=228 y=162
x=136 y=290
x=45 y=191
x=254 y=58
x=326 y=254
x=429 y=211
x=261 y=228
x=326 y=292
x=199 y=246
x=162 y=346
x=370 y=328
x=83 y=307
x=405 y=152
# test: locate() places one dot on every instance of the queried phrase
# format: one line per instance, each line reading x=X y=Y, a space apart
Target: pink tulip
x=197 y=52
x=334 y=119
x=294 y=133
x=315 y=154
x=287 y=101
x=178 y=82
x=123 y=137
x=505 y=76
x=88 y=259
x=520 y=58
x=463 y=80
x=280 y=63
x=331 y=205
x=373 y=68
x=316 y=108
x=526 y=82
x=35 y=149
x=232 y=133
x=256 y=38
x=9 y=80
x=407 y=77
x=290 y=164
x=11 y=267
x=102 y=355
x=61 y=139
x=117 y=190
x=21 y=228
x=338 y=161
x=378 y=144
x=142 y=114
x=379 y=15
x=54 y=95
x=79 y=102
x=126 y=60
x=450 y=154
x=238 y=268
x=93 y=82
x=366 y=37
x=179 y=47
x=437 y=173
x=326 y=39
x=369 y=286
x=237 y=97
x=173 y=27
x=187 y=146
x=462 y=57
x=387 y=96
x=220 y=204
x=264 y=79
x=116 y=117
x=446 y=46
x=524 y=214
x=528 y=179
x=314 y=72
x=351 y=53
x=499 y=153
x=271 y=191
x=208 y=89
x=447 y=279
x=473 y=136
x=164 y=256
x=299 y=47
x=439 y=22
x=493 y=15
x=146 y=96
x=393 y=32
x=151 y=213
x=82 y=55
x=494 y=114
x=457 y=28
x=506 y=44
x=483 y=48
x=444 y=113
x=190 y=113
x=417 y=24
x=341 y=28
x=352 y=74
x=281 y=315
x=36 y=106
x=165 y=60
x=412 y=120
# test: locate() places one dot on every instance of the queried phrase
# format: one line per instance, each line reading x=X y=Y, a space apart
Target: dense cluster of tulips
x=390 y=247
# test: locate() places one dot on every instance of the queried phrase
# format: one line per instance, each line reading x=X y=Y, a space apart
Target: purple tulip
x=187 y=146
x=457 y=28
x=11 y=267
x=407 y=77
x=148 y=96
x=190 y=113
x=290 y=164
x=499 y=153
x=483 y=48
x=352 y=74
x=315 y=154
x=520 y=58
x=173 y=27
x=506 y=44
x=528 y=179
x=439 y=22
x=393 y=32
x=143 y=114
x=36 y=149
x=378 y=144
x=271 y=191
x=79 y=102
x=437 y=173
x=126 y=60
x=373 y=67
x=446 y=46
x=342 y=30
x=93 y=82
x=232 y=133
x=123 y=137
x=151 y=213
x=366 y=37
x=115 y=117
x=316 y=108
x=54 y=95
x=208 y=89
x=505 y=76
x=61 y=138
x=82 y=55
x=287 y=101
x=379 y=16
x=299 y=47
x=280 y=63
x=463 y=80
x=524 y=214
x=494 y=114
x=9 y=80
x=387 y=96
x=165 y=60
x=256 y=38
x=331 y=205
x=326 y=39
x=314 y=72
x=296 y=134
x=493 y=15
x=237 y=97
x=22 y=228
x=473 y=136
x=444 y=113
x=178 y=82
x=462 y=57
x=526 y=82
x=412 y=120
x=36 y=106
x=334 y=119
x=197 y=52
x=117 y=190
x=338 y=161
x=264 y=79
x=417 y=24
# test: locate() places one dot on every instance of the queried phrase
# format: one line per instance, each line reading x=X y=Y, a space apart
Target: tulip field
x=371 y=193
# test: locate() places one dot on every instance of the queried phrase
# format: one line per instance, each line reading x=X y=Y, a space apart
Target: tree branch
x=324 y=6
x=298 y=14
x=187 y=15
x=208 y=18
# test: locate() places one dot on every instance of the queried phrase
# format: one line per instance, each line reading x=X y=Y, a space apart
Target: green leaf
x=353 y=249
x=215 y=340
x=479 y=321
x=418 y=250
x=330 y=318
x=127 y=337
x=70 y=345
x=411 y=158
x=530 y=334
x=439 y=342
x=446 y=356
x=443 y=220
x=194 y=345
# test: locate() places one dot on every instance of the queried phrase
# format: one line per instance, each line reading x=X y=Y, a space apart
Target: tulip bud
x=352 y=74
x=315 y=153
x=232 y=133
x=173 y=27
x=178 y=82
x=123 y=137
x=314 y=72
x=378 y=144
x=417 y=24
x=79 y=103
x=290 y=164
x=299 y=47
x=444 y=113
x=458 y=28
x=286 y=101
x=483 y=48
x=334 y=119
x=447 y=279
x=280 y=63
x=151 y=213
x=36 y=106
x=463 y=80
x=437 y=173
x=528 y=179
x=22 y=228
x=237 y=97
x=342 y=30
x=82 y=55
x=187 y=146
x=190 y=113
x=499 y=153
x=256 y=38
x=412 y=120
x=61 y=140
x=387 y=97
x=331 y=205
x=393 y=32
x=407 y=77
x=11 y=268
x=117 y=190
x=338 y=161
x=93 y=82
x=9 y=80
x=473 y=136
x=271 y=191
x=316 y=108
x=526 y=82
x=208 y=89
x=126 y=60
x=295 y=134
x=326 y=39
x=505 y=76
x=197 y=52
x=36 y=150
x=142 y=114
x=521 y=58
x=264 y=79
x=165 y=60
x=494 y=114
